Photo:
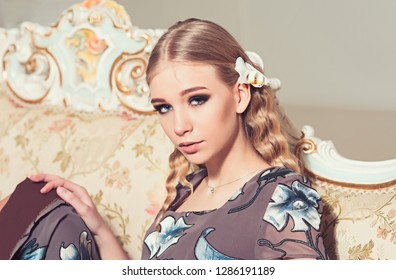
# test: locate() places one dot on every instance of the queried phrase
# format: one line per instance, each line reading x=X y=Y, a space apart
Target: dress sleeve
x=290 y=227
x=71 y=239
x=59 y=235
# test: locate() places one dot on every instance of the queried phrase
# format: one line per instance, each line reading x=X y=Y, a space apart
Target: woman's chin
x=195 y=158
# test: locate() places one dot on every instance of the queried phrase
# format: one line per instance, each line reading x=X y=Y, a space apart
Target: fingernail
x=60 y=190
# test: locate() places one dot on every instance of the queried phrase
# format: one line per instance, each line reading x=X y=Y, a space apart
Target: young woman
x=234 y=190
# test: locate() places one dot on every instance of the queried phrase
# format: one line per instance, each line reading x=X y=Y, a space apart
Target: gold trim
x=138 y=38
x=10 y=48
x=357 y=186
x=136 y=72
x=116 y=70
x=45 y=49
x=54 y=59
x=307 y=146
x=7 y=81
x=145 y=37
x=30 y=66
x=144 y=89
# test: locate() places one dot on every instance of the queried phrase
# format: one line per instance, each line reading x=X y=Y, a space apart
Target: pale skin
x=202 y=117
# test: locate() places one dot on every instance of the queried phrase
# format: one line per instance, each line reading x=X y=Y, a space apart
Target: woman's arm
x=78 y=197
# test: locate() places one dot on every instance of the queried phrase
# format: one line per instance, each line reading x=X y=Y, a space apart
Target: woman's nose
x=182 y=123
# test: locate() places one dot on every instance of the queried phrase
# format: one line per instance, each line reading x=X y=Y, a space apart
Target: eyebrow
x=182 y=93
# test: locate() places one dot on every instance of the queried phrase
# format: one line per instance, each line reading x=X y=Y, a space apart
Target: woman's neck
x=241 y=160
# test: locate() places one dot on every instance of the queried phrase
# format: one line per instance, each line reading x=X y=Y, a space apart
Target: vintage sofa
x=74 y=102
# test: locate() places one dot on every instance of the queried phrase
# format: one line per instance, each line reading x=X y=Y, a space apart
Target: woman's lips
x=190 y=147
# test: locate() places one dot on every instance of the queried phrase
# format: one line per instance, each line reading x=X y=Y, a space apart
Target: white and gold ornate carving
x=30 y=72
x=92 y=59
x=128 y=83
x=325 y=162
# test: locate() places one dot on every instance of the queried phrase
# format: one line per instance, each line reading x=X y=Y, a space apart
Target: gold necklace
x=212 y=189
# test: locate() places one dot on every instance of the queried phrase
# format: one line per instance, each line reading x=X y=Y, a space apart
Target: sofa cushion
x=358 y=222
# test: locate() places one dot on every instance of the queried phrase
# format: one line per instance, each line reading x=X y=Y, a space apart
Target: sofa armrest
x=359 y=216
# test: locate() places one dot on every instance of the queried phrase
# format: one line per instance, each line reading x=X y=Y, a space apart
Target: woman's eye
x=198 y=100
x=162 y=109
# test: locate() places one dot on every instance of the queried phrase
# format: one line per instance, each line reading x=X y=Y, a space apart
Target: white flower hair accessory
x=250 y=75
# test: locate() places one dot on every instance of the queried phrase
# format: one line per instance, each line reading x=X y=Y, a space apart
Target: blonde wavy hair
x=267 y=127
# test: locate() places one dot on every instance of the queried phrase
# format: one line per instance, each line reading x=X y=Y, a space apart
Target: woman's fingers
x=72 y=199
x=43 y=177
x=59 y=182
x=53 y=182
x=37 y=177
x=77 y=190
x=76 y=195
x=52 y=185
x=87 y=212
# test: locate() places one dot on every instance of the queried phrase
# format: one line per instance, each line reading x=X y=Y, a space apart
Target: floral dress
x=275 y=215
x=43 y=227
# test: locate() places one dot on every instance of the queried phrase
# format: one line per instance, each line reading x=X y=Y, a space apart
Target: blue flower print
x=31 y=251
x=170 y=233
x=205 y=251
x=71 y=252
x=299 y=202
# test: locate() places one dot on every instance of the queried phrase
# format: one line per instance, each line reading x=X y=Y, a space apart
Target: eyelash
x=198 y=100
x=158 y=108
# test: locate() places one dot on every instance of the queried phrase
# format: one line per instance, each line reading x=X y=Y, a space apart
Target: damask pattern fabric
x=275 y=215
x=358 y=224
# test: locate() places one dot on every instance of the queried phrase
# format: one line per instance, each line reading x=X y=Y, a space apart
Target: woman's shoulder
x=288 y=187
x=282 y=175
x=280 y=180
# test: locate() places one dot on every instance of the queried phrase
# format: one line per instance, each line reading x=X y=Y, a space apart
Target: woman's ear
x=242 y=97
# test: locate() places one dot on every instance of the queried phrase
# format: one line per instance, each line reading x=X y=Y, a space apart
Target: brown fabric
x=274 y=215
x=23 y=206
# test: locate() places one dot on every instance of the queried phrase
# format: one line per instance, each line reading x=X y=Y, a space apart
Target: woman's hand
x=78 y=197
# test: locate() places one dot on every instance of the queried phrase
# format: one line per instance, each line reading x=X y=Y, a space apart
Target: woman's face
x=197 y=110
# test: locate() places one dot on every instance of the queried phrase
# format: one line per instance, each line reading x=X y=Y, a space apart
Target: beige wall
x=356 y=134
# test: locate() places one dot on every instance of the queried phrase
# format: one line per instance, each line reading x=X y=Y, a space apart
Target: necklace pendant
x=211 y=189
